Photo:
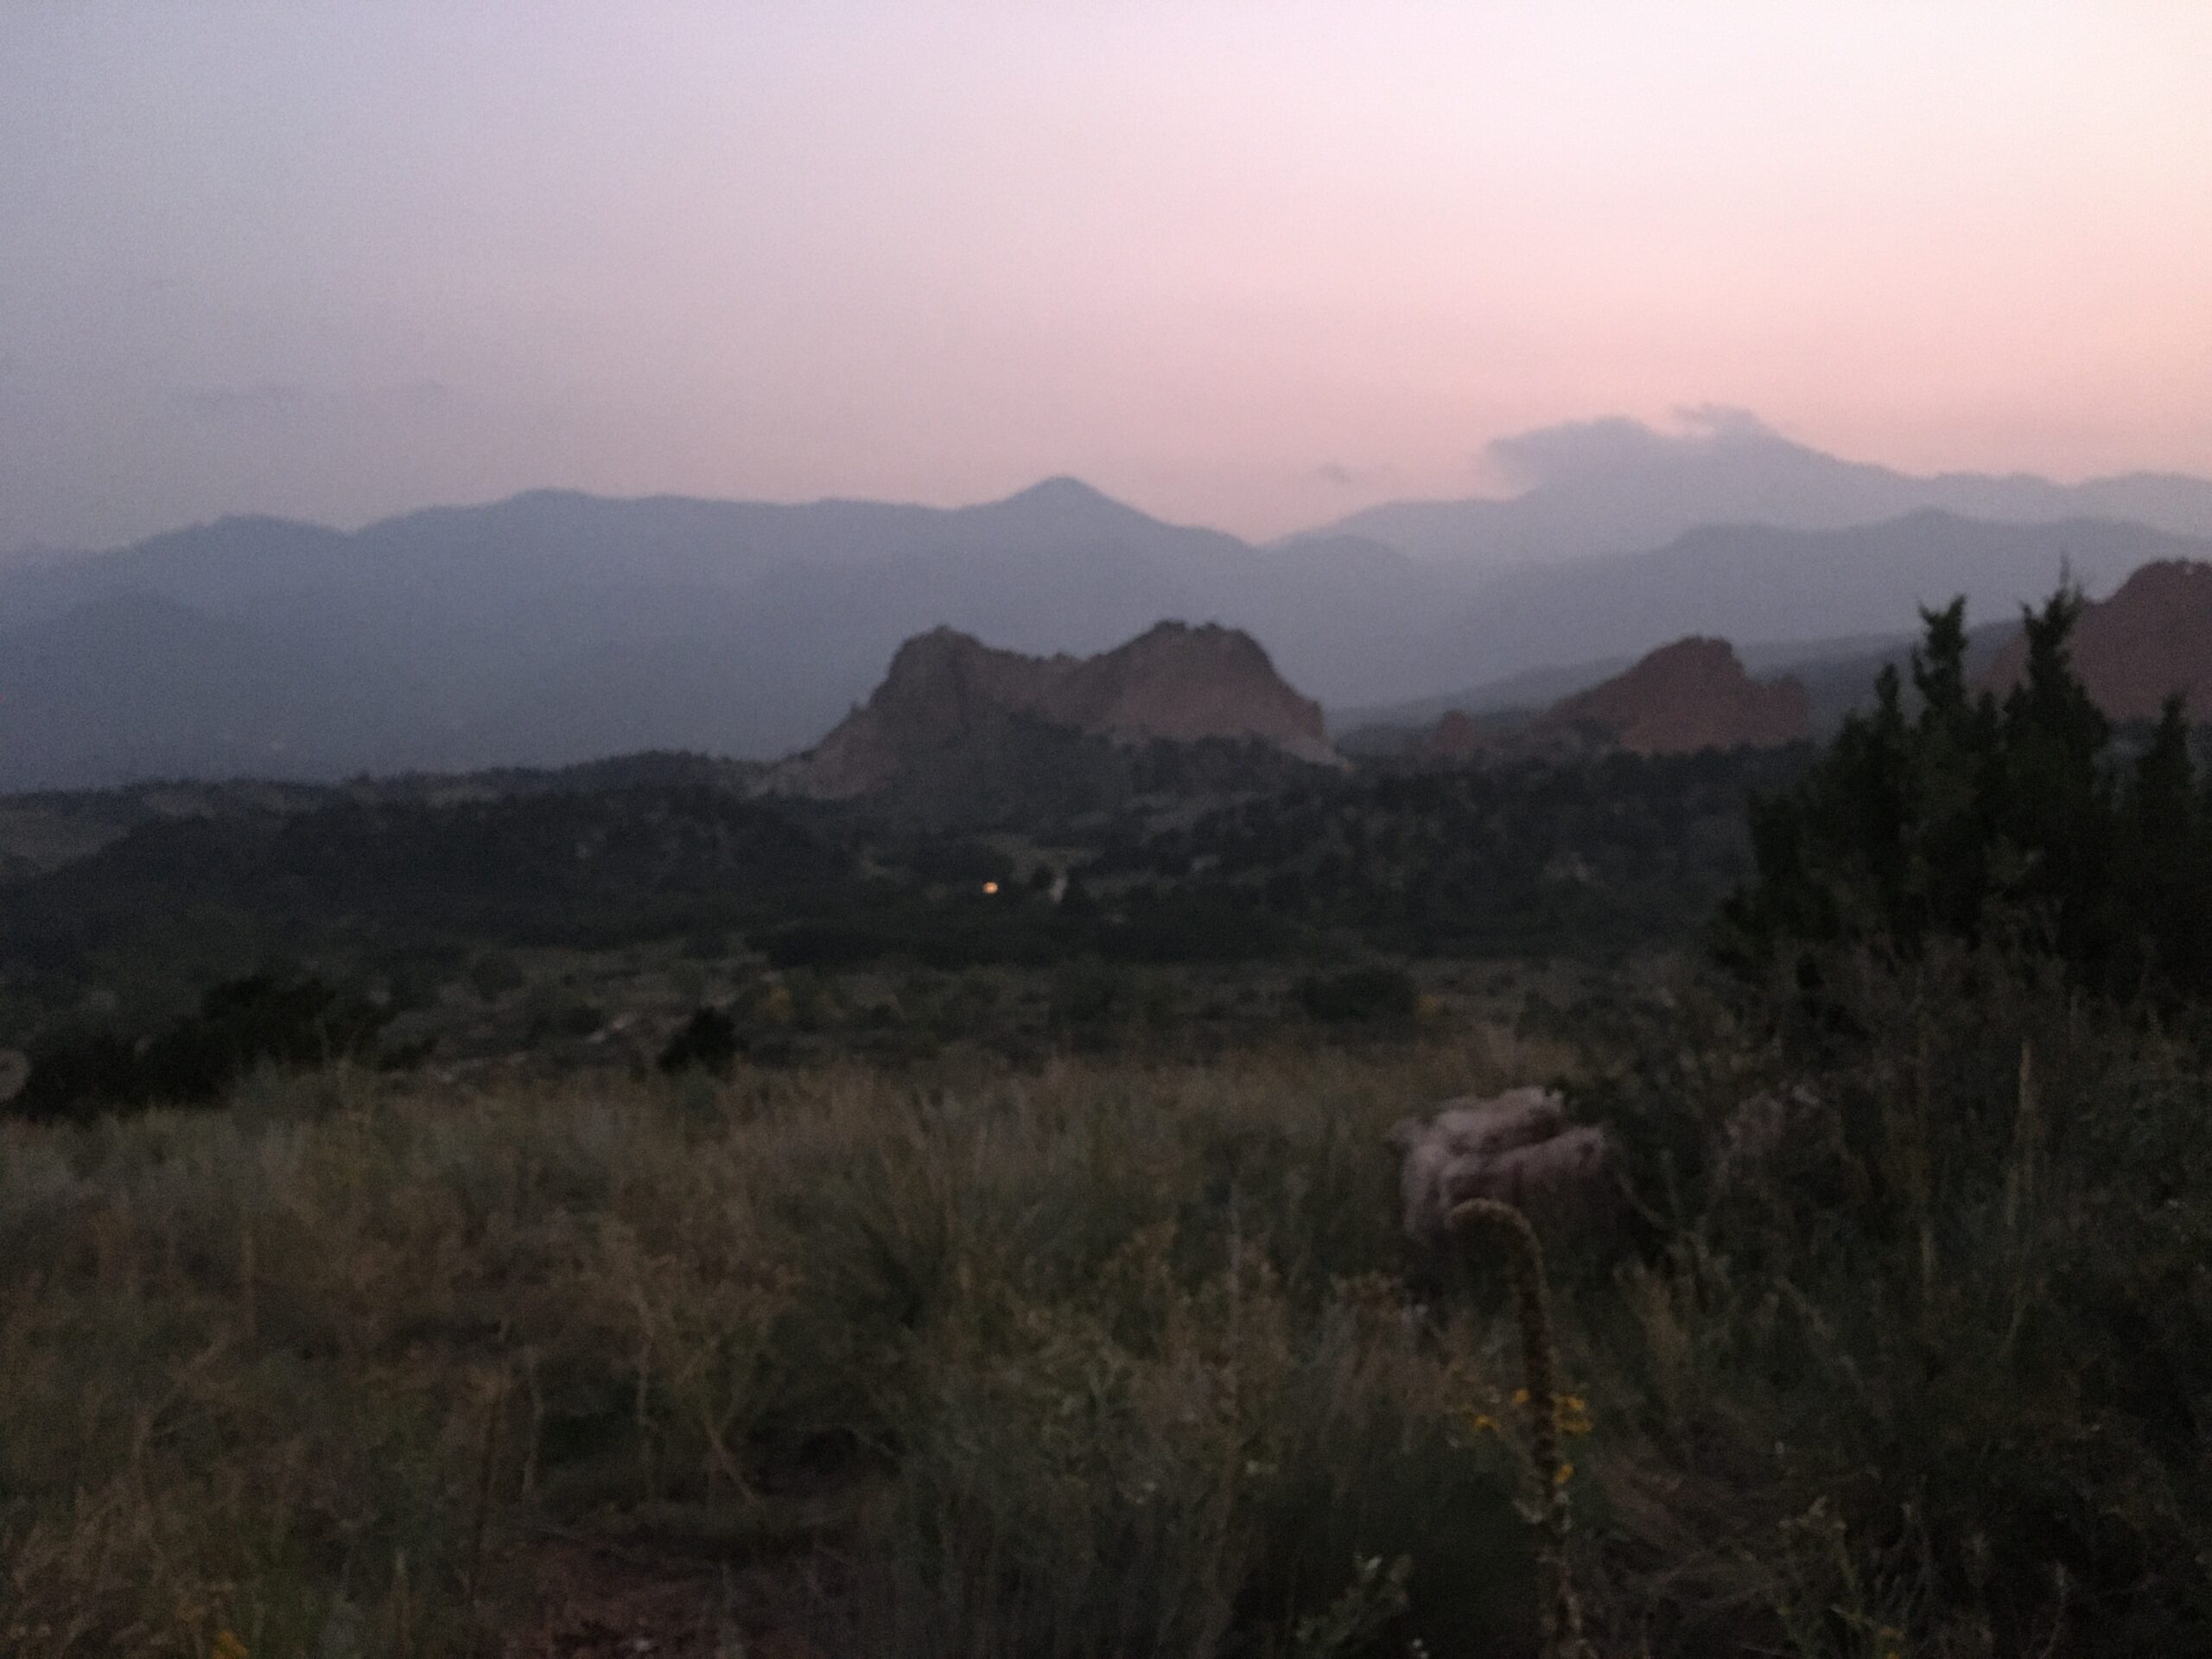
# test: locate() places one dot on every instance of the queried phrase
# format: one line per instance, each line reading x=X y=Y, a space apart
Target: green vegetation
x=1972 y=820
x=1361 y=996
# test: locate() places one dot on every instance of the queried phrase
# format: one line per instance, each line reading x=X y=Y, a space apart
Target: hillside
x=1689 y=695
x=947 y=699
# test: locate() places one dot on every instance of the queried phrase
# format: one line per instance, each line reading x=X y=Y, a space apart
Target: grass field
x=1109 y=1357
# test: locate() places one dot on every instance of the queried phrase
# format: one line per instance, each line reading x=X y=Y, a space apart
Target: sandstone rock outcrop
x=1689 y=695
x=2151 y=638
x=1517 y=1147
x=1174 y=682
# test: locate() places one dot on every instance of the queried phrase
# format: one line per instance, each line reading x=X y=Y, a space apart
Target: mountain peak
x=1061 y=486
x=1066 y=495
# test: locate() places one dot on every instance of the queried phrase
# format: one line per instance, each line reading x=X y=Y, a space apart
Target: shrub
x=1360 y=996
x=707 y=1041
x=241 y=1024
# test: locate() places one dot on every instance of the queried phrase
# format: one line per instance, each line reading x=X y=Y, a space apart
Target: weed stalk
x=1524 y=1255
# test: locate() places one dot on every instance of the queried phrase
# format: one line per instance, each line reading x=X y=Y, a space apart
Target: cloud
x=1722 y=421
x=1577 y=450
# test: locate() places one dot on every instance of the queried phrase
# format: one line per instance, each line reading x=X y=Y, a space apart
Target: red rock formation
x=1174 y=682
x=2150 y=639
x=1691 y=695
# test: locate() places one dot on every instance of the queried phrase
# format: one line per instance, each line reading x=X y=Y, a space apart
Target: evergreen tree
x=1964 y=818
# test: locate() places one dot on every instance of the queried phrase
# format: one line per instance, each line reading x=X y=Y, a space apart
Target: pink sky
x=1252 y=265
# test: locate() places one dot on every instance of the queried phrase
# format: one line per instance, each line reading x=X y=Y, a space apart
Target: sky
x=1251 y=265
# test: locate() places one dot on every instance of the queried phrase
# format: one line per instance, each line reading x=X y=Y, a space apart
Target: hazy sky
x=1252 y=265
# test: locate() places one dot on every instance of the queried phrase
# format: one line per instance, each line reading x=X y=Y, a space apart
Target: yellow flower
x=227 y=1646
x=1565 y=1472
x=1519 y=1396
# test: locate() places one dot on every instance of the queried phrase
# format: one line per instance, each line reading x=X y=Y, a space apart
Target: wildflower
x=1565 y=1472
x=227 y=1646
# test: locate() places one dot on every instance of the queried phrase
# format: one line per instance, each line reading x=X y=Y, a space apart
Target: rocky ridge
x=1691 y=695
x=1174 y=682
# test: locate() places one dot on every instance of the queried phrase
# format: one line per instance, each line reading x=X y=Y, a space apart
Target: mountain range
x=556 y=627
x=1618 y=486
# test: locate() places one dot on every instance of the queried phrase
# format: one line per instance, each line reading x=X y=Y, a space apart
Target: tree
x=1963 y=818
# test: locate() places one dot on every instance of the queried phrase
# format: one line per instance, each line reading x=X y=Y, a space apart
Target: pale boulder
x=1517 y=1147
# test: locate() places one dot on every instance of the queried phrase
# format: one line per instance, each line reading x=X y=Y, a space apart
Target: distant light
x=990 y=887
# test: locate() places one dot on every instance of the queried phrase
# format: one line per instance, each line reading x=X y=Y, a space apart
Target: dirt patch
x=600 y=1601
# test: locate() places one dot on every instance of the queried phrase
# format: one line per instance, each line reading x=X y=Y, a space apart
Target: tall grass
x=1935 y=1380
x=1098 y=1361
x=1110 y=1359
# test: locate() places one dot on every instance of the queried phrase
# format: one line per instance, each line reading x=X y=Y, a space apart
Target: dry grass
x=307 y=1372
x=1114 y=1359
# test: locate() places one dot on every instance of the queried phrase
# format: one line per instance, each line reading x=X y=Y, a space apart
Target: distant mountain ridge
x=1784 y=586
x=557 y=628
x=1616 y=486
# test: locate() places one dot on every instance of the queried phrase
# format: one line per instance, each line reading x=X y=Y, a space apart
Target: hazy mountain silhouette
x=1778 y=587
x=1615 y=486
x=1831 y=608
x=556 y=627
